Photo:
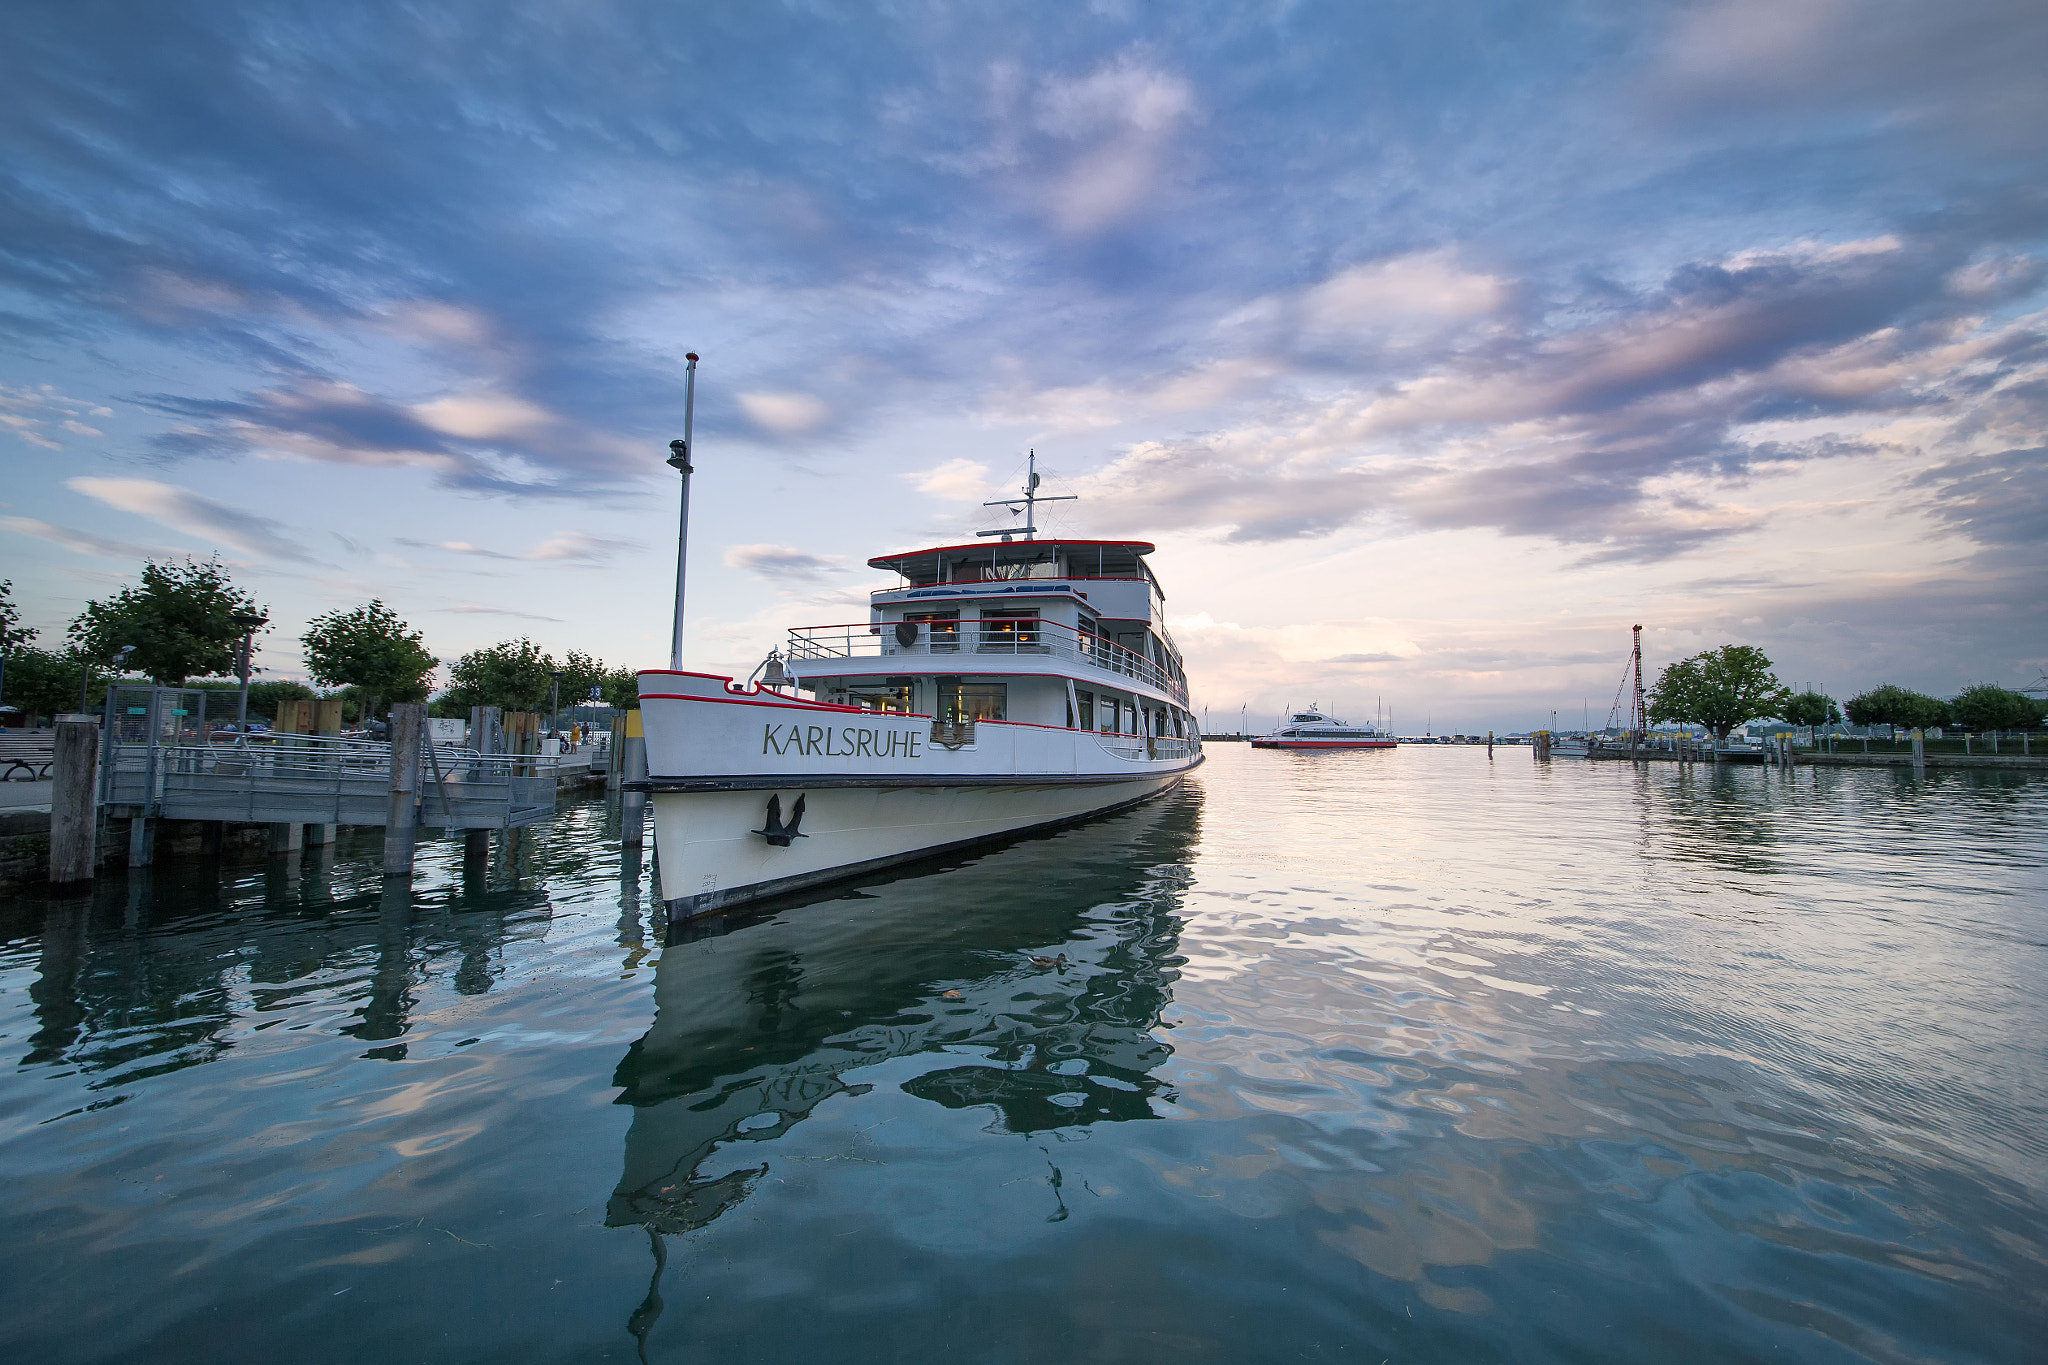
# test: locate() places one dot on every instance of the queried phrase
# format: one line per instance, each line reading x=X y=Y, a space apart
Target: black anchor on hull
x=778 y=833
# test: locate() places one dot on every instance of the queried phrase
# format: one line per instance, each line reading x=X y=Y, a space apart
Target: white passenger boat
x=998 y=688
x=1311 y=729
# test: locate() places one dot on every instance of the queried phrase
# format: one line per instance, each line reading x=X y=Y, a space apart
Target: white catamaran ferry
x=999 y=687
x=1311 y=729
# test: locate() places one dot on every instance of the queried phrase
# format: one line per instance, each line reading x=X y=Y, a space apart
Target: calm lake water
x=1407 y=1056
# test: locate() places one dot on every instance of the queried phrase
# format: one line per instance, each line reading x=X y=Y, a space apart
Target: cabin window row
x=956 y=701
x=998 y=631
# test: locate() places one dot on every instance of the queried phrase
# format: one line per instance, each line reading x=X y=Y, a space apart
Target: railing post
x=401 y=816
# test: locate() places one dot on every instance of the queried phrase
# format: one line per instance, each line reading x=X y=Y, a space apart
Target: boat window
x=1106 y=712
x=880 y=697
x=965 y=701
x=940 y=630
x=1008 y=630
x=1084 y=702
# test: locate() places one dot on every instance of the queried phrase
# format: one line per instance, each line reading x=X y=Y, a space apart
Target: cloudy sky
x=1434 y=344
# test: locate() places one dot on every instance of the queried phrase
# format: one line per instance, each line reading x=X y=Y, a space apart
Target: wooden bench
x=32 y=754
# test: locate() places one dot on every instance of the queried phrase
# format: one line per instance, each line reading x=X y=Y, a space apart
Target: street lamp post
x=555 y=702
x=250 y=622
x=679 y=459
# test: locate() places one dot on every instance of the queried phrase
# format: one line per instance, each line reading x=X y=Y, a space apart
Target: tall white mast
x=679 y=459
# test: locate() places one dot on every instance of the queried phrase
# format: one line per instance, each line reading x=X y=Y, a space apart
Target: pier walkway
x=323 y=780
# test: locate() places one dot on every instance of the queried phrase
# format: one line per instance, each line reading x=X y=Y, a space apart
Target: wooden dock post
x=401 y=817
x=326 y=721
x=1919 y=749
x=633 y=768
x=293 y=718
x=1542 y=748
x=486 y=736
x=74 y=775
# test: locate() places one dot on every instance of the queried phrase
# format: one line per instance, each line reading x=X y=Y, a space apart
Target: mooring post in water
x=1919 y=748
x=74 y=774
x=486 y=730
x=326 y=721
x=141 y=838
x=633 y=765
x=401 y=817
x=1542 y=747
x=292 y=718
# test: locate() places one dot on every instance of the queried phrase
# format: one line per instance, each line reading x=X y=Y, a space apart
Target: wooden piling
x=401 y=817
x=294 y=717
x=74 y=774
x=1919 y=749
x=326 y=720
x=486 y=729
x=487 y=737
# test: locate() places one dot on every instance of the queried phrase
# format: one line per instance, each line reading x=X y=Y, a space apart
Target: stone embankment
x=2034 y=763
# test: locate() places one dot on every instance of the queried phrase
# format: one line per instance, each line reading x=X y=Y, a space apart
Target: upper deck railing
x=999 y=636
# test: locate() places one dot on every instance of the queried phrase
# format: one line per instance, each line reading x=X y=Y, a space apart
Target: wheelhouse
x=1065 y=634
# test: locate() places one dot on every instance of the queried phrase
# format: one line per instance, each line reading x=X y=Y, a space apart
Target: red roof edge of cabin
x=1142 y=547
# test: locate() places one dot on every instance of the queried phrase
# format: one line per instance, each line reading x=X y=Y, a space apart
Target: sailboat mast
x=1640 y=722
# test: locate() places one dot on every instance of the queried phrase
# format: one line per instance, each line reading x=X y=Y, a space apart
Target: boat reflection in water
x=760 y=1022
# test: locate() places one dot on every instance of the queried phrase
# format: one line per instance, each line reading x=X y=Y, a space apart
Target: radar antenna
x=1032 y=497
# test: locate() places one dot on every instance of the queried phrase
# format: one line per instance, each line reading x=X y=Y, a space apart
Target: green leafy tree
x=580 y=673
x=1810 y=709
x=12 y=632
x=622 y=689
x=369 y=648
x=13 y=635
x=1720 y=689
x=179 y=618
x=514 y=674
x=1984 y=706
x=616 y=687
x=43 y=682
x=1899 y=707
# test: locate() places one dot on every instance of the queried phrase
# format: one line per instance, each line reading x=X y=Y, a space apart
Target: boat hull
x=758 y=793
x=1324 y=744
x=713 y=857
